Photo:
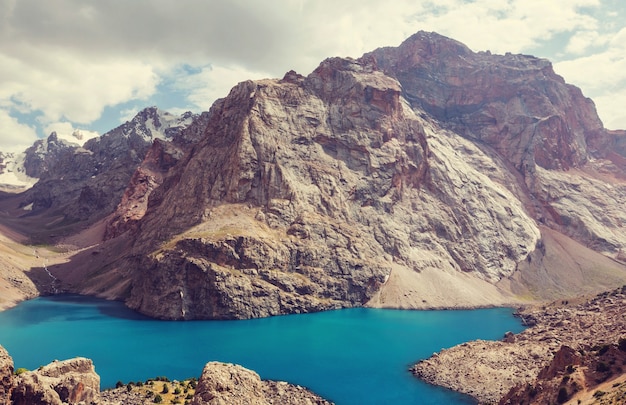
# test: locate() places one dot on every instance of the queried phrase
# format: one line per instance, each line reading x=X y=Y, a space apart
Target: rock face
x=514 y=103
x=6 y=377
x=61 y=382
x=222 y=384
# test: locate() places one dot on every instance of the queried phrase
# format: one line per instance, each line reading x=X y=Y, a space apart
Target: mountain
x=419 y=176
x=75 y=186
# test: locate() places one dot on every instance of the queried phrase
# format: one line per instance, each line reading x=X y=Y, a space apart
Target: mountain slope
x=422 y=176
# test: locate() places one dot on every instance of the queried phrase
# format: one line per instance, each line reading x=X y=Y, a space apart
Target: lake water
x=352 y=356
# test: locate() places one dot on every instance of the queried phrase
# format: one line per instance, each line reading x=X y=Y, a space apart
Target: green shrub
x=166 y=389
x=177 y=391
x=158 y=399
x=20 y=370
x=119 y=384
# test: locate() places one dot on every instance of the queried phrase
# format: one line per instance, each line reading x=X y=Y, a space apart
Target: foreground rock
x=61 y=382
x=230 y=384
x=488 y=370
x=75 y=381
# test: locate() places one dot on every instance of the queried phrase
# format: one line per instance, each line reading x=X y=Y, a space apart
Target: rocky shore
x=489 y=370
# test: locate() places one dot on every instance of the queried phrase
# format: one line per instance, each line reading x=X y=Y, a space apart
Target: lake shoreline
x=332 y=344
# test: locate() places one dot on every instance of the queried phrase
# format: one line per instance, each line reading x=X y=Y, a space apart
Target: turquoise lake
x=351 y=356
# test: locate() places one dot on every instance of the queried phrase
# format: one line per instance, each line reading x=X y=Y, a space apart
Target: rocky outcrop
x=563 y=337
x=61 y=382
x=75 y=381
x=573 y=375
x=223 y=383
x=6 y=377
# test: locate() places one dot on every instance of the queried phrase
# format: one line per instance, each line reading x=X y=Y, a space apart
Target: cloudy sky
x=92 y=64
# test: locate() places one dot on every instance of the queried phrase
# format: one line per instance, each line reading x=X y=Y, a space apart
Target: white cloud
x=62 y=85
x=602 y=76
x=611 y=108
x=581 y=41
x=14 y=136
x=70 y=59
x=509 y=26
x=213 y=82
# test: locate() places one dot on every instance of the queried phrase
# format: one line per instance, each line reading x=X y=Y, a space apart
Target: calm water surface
x=353 y=356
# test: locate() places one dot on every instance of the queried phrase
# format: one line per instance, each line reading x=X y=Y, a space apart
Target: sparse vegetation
x=158 y=390
x=20 y=370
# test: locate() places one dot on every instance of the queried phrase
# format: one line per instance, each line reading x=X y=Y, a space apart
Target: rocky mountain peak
x=513 y=103
x=84 y=184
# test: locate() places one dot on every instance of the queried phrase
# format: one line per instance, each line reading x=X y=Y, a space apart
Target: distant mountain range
x=420 y=176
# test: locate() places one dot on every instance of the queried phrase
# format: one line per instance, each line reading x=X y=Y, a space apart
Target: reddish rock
x=513 y=103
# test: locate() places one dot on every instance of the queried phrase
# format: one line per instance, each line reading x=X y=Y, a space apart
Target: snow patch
x=14 y=173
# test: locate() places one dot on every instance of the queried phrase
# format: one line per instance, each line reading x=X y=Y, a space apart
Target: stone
x=71 y=381
x=229 y=384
